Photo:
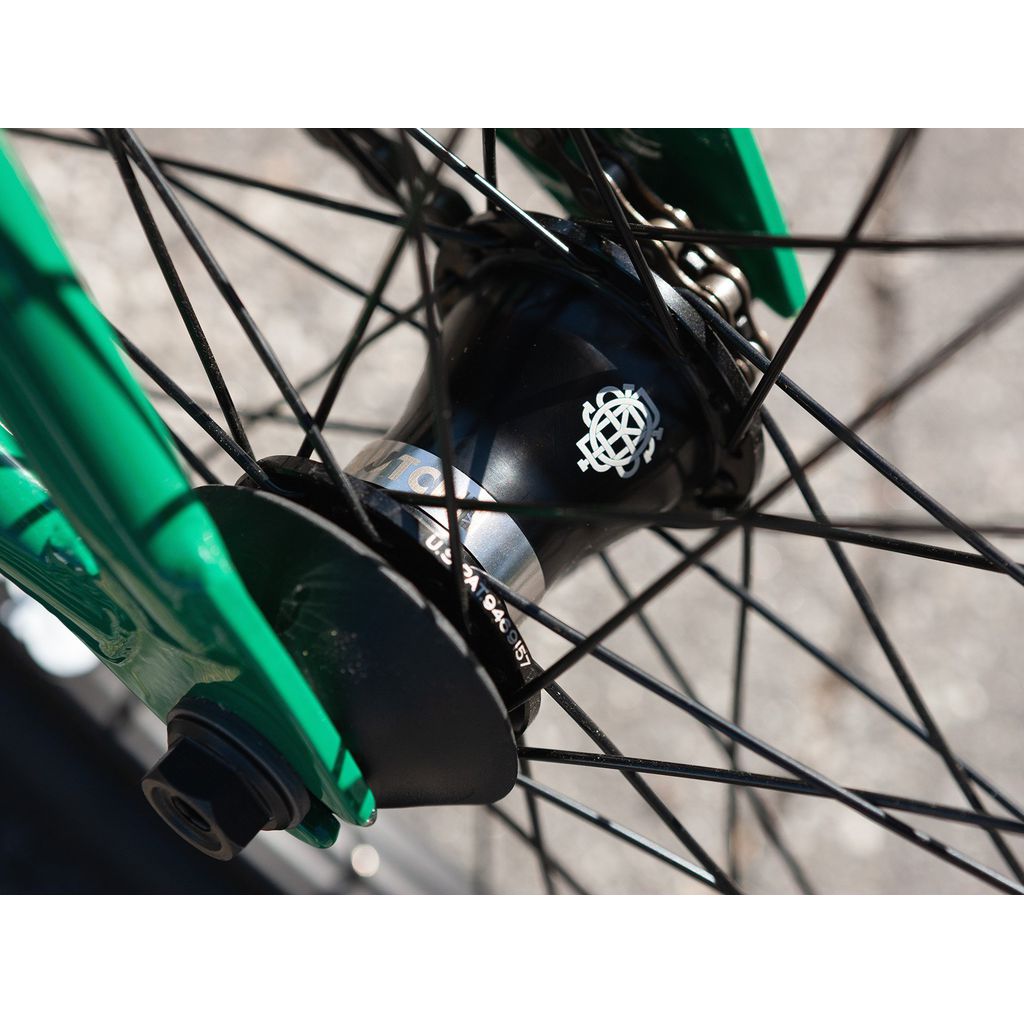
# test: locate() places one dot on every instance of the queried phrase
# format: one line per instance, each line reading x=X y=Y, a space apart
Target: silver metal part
x=492 y=538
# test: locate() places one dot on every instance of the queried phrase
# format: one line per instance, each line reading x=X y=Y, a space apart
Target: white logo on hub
x=621 y=430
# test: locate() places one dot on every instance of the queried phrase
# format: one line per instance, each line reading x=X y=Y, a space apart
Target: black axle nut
x=218 y=785
x=203 y=800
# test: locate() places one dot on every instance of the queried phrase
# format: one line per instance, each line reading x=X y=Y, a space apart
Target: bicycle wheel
x=807 y=711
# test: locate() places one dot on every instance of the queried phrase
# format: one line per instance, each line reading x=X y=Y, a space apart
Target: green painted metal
x=98 y=522
x=42 y=554
x=717 y=175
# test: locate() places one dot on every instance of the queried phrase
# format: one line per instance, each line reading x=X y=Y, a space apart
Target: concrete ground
x=956 y=629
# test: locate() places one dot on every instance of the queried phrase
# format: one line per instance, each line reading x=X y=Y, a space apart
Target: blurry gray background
x=958 y=436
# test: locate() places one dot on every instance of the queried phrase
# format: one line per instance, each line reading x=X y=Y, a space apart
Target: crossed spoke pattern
x=227 y=425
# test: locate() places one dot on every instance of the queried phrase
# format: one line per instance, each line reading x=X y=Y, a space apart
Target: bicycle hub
x=572 y=409
x=565 y=392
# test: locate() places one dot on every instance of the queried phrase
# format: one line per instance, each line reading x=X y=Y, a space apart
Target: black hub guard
x=421 y=716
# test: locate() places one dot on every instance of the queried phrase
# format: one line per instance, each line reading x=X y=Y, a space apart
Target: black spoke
x=857 y=444
x=288 y=250
x=619 y=831
x=618 y=216
x=988 y=319
x=221 y=174
x=722 y=881
x=355 y=340
x=876 y=244
x=178 y=293
x=682 y=680
x=777 y=783
x=758 y=746
x=736 y=712
x=271 y=409
x=248 y=325
x=374 y=301
x=537 y=835
x=439 y=394
x=346 y=142
x=554 y=863
x=841 y=672
x=371 y=429
x=912 y=692
x=746 y=239
x=898 y=148
x=489 y=191
x=584 y=645
x=244 y=460
x=998 y=528
x=489 y=137
x=760 y=809
x=724 y=523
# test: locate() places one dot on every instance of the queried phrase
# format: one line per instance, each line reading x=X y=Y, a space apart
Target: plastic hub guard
x=418 y=547
x=422 y=717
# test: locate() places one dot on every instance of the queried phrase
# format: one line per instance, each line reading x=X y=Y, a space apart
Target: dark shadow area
x=72 y=815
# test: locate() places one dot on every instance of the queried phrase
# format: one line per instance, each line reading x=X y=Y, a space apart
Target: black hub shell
x=528 y=340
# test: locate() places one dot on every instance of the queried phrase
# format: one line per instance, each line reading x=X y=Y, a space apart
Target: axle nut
x=220 y=783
